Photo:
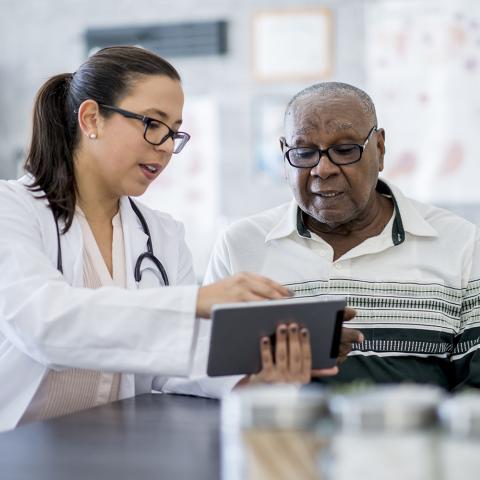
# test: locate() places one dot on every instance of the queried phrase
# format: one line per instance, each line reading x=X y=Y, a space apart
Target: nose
x=167 y=146
x=324 y=168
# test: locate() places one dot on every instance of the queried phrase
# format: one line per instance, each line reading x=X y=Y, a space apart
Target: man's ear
x=283 y=142
x=89 y=118
x=380 y=138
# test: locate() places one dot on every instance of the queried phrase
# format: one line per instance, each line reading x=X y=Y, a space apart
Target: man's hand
x=348 y=336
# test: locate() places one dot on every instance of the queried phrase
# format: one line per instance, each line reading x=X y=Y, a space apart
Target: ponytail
x=104 y=77
x=50 y=156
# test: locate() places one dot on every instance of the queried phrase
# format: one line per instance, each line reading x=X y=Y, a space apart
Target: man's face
x=331 y=194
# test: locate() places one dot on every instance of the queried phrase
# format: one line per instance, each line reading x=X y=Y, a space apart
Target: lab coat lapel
x=135 y=241
x=134 y=237
x=72 y=253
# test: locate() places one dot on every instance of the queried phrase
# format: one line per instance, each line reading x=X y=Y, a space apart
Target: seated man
x=410 y=270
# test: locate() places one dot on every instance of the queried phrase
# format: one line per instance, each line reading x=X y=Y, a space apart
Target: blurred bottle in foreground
x=459 y=453
x=269 y=433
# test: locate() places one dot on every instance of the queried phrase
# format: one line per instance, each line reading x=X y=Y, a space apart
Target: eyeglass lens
x=339 y=154
x=157 y=133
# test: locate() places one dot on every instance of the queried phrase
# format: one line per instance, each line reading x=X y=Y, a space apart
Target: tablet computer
x=237 y=328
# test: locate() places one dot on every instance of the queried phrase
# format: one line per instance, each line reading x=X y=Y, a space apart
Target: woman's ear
x=89 y=119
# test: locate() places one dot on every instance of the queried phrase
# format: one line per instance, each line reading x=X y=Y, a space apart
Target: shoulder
x=255 y=228
x=447 y=224
x=159 y=220
x=17 y=194
x=24 y=214
x=16 y=187
x=442 y=225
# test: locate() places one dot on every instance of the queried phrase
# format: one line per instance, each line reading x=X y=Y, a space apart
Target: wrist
x=202 y=309
x=246 y=380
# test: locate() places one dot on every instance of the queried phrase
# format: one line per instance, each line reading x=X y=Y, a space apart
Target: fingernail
x=265 y=341
x=361 y=338
x=304 y=332
x=293 y=328
x=282 y=330
x=290 y=292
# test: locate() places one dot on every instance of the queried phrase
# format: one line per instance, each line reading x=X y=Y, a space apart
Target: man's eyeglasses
x=155 y=132
x=343 y=154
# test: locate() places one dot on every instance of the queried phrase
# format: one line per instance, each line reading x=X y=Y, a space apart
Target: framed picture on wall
x=292 y=44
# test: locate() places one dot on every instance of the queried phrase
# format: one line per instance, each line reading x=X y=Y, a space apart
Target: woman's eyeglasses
x=156 y=132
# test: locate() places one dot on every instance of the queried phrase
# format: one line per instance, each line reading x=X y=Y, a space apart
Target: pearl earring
x=92 y=136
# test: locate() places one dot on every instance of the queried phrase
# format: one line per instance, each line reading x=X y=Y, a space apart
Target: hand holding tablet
x=242 y=335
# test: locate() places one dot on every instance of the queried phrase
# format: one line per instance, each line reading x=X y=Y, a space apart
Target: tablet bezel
x=237 y=328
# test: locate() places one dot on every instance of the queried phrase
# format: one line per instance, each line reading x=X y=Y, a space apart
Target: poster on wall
x=423 y=72
x=188 y=189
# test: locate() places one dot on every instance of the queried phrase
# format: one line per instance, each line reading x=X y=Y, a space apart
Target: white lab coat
x=49 y=321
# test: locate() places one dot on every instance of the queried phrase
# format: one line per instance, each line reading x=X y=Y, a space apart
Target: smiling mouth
x=150 y=168
x=328 y=194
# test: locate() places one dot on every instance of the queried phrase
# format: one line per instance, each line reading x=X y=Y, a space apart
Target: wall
x=44 y=37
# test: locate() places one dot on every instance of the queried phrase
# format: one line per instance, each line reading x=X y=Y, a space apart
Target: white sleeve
x=186 y=274
x=219 y=264
x=199 y=383
x=140 y=331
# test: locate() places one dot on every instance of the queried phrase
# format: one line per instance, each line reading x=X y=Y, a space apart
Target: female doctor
x=79 y=256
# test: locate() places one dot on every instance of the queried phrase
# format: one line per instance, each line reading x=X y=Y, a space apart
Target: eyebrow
x=159 y=113
x=340 y=135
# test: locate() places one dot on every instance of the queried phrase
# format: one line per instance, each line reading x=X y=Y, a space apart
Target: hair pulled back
x=105 y=77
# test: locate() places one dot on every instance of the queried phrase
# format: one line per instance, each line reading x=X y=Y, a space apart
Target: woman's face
x=120 y=159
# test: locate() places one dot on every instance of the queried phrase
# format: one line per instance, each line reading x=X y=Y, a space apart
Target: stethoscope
x=138 y=264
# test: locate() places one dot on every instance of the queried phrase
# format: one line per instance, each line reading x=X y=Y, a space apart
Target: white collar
x=407 y=218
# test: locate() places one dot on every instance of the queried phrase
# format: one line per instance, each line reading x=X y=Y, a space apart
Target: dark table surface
x=149 y=436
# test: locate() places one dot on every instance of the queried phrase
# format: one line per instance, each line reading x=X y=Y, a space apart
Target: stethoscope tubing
x=138 y=264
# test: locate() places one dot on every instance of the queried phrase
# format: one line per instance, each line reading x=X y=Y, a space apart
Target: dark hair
x=335 y=89
x=105 y=77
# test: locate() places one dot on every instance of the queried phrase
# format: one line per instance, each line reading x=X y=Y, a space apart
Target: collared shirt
x=415 y=287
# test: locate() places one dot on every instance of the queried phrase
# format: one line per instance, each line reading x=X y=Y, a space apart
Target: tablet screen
x=237 y=329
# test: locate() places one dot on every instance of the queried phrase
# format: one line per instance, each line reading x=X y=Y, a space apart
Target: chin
x=331 y=220
x=134 y=190
x=328 y=217
x=331 y=214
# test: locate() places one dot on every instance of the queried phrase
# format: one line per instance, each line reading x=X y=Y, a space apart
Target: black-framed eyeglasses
x=342 y=154
x=156 y=132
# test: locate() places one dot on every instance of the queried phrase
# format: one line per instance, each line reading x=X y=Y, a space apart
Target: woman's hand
x=242 y=287
x=293 y=357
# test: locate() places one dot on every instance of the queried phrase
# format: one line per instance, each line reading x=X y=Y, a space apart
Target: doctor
x=79 y=256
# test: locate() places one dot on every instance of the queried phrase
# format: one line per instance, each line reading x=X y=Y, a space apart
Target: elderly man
x=410 y=270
